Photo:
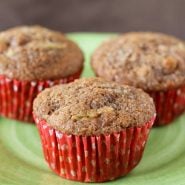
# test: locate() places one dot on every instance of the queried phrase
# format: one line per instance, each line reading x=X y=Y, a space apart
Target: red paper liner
x=93 y=158
x=16 y=97
x=169 y=105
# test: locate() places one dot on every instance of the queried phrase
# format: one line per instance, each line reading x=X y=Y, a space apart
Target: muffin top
x=37 y=53
x=151 y=61
x=93 y=106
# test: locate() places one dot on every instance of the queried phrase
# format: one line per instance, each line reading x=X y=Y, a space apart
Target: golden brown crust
x=37 y=53
x=93 y=106
x=151 y=61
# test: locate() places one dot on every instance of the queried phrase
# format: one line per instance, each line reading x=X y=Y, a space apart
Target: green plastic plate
x=22 y=162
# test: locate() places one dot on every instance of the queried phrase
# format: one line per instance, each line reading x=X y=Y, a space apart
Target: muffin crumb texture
x=151 y=61
x=37 y=53
x=93 y=106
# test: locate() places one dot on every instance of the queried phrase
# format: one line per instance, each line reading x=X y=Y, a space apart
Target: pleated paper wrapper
x=93 y=158
x=16 y=97
x=169 y=105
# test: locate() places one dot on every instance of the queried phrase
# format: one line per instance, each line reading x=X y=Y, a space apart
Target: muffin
x=154 y=62
x=31 y=59
x=93 y=130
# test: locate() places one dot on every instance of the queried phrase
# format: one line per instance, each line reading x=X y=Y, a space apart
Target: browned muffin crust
x=37 y=53
x=151 y=61
x=93 y=106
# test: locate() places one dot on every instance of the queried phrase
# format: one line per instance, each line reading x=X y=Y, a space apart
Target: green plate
x=22 y=163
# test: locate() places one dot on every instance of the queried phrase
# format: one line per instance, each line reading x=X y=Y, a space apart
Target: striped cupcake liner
x=16 y=97
x=169 y=105
x=93 y=158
